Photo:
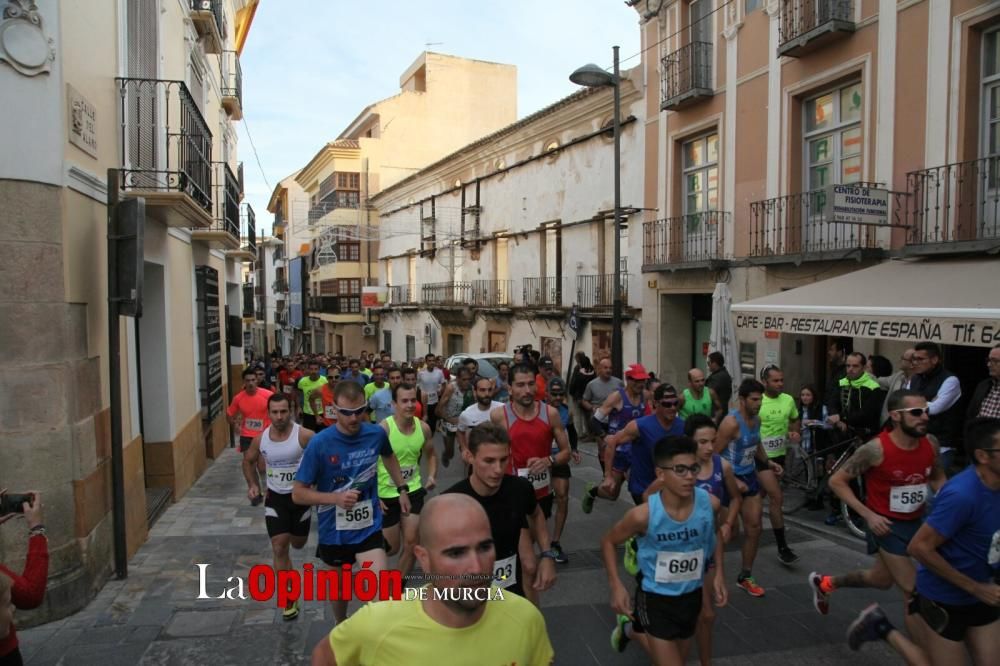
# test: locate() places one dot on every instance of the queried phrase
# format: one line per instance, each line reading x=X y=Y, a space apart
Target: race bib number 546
x=539 y=481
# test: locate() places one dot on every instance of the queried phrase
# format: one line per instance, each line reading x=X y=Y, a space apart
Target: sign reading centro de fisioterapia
x=853 y=204
x=969 y=332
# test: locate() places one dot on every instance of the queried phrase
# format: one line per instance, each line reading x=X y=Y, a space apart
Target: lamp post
x=592 y=76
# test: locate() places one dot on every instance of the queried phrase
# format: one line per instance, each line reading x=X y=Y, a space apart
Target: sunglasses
x=682 y=470
x=915 y=411
x=557 y=395
x=669 y=403
x=357 y=411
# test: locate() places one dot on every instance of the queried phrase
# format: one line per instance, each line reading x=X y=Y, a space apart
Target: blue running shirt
x=740 y=452
x=672 y=555
x=650 y=432
x=334 y=462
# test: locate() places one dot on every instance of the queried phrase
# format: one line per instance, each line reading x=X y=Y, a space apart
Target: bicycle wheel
x=797 y=481
x=855 y=523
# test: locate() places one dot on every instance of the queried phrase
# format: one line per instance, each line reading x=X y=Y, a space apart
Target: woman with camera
x=27 y=589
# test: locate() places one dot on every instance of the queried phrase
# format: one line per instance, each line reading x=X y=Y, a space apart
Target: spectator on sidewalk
x=986 y=398
x=719 y=379
x=27 y=589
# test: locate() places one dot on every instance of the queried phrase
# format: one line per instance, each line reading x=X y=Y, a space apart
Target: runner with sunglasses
x=339 y=474
x=677 y=544
x=898 y=467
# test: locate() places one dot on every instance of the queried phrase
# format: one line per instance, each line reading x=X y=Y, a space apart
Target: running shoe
x=619 y=636
x=832 y=519
x=787 y=556
x=291 y=611
x=631 y=558
x=588 y=499
x=560 y=555
x=871 y=625
x=821 y=597
x=748 y=584
x=257 y=500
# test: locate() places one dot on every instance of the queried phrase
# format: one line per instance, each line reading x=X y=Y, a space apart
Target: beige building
x=755 y=110
x=150 y=89
x=492 y=246
x=444 y=103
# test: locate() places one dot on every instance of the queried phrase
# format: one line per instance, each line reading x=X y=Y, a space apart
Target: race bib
x=678 y=567
x=358 y=517
x=408 y=472
x=907 y=499
x=287 y=388
x=994 y=557
x=747 y=459
x=330 y=412
x=254 y=424
x=505 y=571
x=773 y=444
x=539 y=481
x=281 y=478
x=432 y=397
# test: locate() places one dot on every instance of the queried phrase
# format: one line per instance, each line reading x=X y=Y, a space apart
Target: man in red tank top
x=532 y=427
x=899 y=468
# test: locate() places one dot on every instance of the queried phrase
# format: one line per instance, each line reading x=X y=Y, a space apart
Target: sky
x=310 y=66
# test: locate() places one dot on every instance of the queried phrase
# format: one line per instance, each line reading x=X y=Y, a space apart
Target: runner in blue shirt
x=339 y=475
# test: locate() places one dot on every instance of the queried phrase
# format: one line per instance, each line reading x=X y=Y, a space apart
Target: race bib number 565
x=358 y=517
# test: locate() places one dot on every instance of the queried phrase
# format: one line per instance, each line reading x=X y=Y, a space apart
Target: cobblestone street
x=153 y=617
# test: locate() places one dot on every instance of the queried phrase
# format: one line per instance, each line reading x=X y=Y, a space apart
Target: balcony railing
x=336 y=304
x=689 y=239
x=797 y=224
x=278 y=254
x=209 y=23
x=239 y=177
x=337 y=199
x=247 y=299
x=597 y=292
x=686 y=75
x=165 y=142
x=402 y=294
x=249 y=229
x=280 y=318
x=279 y=286
x=232 y=84
x=226 y=200
x=805 y=24
x=279 y=305
x=539 y=292
x=446 y=293
x=491 y=293
x=955 y=203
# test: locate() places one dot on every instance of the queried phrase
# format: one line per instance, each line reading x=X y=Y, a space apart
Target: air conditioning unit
x=368 y=330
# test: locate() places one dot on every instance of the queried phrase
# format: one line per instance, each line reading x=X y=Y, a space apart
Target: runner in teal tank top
x=678 y=544
x=410 y=439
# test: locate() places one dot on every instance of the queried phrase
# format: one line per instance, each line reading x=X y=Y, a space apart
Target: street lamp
x=592 y=76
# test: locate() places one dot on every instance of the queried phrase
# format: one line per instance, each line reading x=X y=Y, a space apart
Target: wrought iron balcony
x=206 y=15
x=491 y=293
x=279 y=286
x=686 y=75
x=224 y=232
x=597 y=292
x=541 y=292
x=696 y=240
x=955 y=207
x=232 y=84
x=805 y=25
x=403 y=294
x=446 y=293
x=795 y=227
x=336 y=304
x=279 y=305
x=247 y=299
x=249 y=251
x=239 y=177
x=166 y=150
x=336 y=199
x=280 y=318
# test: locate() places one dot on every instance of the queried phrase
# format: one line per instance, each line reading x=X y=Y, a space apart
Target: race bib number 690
x=679 y=567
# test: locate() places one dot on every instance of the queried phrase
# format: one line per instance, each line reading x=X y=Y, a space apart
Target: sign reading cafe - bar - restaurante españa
x=958 y=331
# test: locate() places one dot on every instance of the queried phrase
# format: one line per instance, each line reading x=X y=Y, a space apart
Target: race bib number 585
x=358 y=517
x=907 y=499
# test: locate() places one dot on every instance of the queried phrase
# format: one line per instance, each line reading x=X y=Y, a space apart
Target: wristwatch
x=551 y=554
x=552 y=461
x=405 y=488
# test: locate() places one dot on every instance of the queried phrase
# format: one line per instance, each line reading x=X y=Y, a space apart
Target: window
x=347 y=243
x=991 y=96
x=700 y=15
x=700 y=162
x=833 y=138
x=751 y=5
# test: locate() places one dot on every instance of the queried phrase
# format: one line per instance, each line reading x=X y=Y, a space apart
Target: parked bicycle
x=805 y=478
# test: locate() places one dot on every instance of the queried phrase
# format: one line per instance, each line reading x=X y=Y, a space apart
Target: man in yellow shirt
x=456 y=547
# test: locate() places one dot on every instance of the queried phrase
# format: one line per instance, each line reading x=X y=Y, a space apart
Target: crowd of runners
x=355 y=438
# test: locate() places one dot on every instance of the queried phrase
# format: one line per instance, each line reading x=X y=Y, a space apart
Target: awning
x=955 y=302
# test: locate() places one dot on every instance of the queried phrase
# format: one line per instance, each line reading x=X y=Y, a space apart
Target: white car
x=487 y=362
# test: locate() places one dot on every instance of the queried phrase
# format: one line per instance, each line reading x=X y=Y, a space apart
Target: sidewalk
x=154 y=617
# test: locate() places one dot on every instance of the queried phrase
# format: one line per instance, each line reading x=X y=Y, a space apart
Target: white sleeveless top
x=282 y=459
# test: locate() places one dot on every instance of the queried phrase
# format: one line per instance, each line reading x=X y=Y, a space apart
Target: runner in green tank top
x=698 y=398
x=410 y=439
x=779 y=424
